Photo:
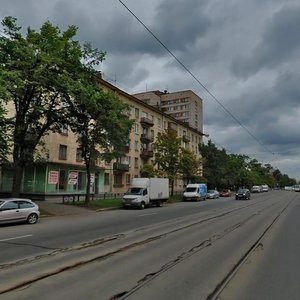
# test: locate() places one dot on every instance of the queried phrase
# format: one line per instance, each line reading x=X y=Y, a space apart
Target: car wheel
x=142 y=205
x=159 y=204
x=32 y=218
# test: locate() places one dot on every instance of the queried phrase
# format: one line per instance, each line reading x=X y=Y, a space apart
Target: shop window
x=62 y=180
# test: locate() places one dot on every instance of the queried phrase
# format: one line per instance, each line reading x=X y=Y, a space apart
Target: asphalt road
x=216 y=249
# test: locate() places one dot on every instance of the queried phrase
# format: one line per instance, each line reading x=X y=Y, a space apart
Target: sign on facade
x=53 y=177
x=73 y=177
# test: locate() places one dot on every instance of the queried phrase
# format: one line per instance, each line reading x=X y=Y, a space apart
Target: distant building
x=184 y=106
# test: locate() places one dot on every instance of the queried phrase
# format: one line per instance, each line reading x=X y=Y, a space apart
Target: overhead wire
x=197 y=80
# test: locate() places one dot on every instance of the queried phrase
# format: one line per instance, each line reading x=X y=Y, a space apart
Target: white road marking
x=147 y=214
x=17 y=237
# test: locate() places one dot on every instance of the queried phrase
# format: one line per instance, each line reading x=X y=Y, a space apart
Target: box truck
x=195 y=192
x=146 y=191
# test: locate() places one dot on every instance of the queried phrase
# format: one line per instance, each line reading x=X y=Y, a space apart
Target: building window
x=78 y=155
x=136 y=162
x=136 y=145
x=81 y=181
x=136 y=128
x=62 y=152
x=106 y=179
x=62 y=180
x=159 y=122
x=118 y=179
x=137 y=113
x=127 y=179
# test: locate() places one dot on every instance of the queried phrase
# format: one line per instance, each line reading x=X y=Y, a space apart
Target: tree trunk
x=17 y=179
x=88 y=185
x=172 y=187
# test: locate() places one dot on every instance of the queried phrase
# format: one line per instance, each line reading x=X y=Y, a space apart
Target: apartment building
x=184 y=106
x=62 y=171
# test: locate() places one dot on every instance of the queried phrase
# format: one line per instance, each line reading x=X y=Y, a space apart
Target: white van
x=297 y=188
x=195 y=192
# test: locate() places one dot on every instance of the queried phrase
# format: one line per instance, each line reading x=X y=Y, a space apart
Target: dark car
x=242 y=194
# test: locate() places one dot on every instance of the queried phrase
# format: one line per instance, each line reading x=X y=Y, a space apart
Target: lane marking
x=147 y=214
x=17 y=237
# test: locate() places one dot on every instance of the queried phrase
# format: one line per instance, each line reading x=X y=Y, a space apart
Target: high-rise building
x=184 y=106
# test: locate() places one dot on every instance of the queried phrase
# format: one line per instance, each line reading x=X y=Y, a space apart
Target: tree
x=101 y=125
x=4 y=136
x=38 y=73
x=148 y=171
x=190 y=165
x=214 y=165
x=167 y=154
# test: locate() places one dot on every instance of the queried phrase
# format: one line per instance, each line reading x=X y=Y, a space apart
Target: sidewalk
x=54 y=207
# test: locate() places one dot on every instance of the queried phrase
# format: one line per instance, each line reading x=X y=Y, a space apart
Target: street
x=214 y=249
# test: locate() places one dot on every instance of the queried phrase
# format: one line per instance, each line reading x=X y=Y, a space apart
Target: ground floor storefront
x=46 y=180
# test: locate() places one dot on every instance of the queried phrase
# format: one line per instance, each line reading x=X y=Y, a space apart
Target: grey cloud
x=279 y=43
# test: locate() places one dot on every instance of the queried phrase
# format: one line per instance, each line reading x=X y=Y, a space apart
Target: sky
x=246 y=53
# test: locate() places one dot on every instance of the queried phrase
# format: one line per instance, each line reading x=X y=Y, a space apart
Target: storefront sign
x=53 y=177
x=73 y=176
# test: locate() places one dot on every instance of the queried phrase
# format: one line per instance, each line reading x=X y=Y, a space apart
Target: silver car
x=212 y=194
x=18 y=210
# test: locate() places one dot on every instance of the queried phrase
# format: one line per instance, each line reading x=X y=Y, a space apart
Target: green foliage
x=224 y=170
x=101 y=125
x=167 y=154
x=148 y=171
x=175 y=161
x=190 y=165
x=50 y=80
x=5 y=140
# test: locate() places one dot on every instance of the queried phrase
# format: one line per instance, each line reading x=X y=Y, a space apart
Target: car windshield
x=191 y=189
x=210 y=191
x=1 y=202
x=242 y=190
x=135 y=191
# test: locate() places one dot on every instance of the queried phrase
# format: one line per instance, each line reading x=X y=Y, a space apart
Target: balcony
x=146 y=122
x=120 y=167
x=147 y=138
x=186 y=138
x=145 y=153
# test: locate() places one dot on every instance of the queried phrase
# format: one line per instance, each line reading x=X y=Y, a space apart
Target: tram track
x=177 y=226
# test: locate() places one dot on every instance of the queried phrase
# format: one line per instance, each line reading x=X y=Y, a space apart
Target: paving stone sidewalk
x=53 y=207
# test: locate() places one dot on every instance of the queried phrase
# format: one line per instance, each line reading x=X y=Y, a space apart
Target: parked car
x=242 y=194
x=18 y=210
x=225 y=193
x=256 y=189
x=212 y=194
x=297 y=188
x=264 y=188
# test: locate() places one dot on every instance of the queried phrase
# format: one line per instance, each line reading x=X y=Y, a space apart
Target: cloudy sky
x=245 y=52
